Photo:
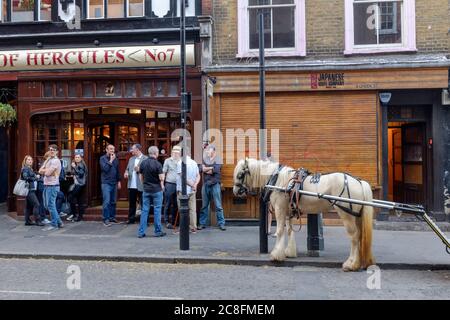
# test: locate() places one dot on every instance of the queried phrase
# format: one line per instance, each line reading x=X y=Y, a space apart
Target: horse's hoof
x=350 y=266
x=290 y=254
x=277 y=257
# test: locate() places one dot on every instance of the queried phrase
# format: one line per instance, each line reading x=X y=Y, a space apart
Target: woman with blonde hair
x=33 y=205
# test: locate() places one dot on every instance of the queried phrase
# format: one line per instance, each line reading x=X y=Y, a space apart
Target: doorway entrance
x=407 y=162
x=122 y=136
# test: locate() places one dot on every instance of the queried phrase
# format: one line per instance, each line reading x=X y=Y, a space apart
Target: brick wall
x=325 y=27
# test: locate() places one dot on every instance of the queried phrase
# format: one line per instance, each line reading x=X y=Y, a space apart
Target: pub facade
x=327 y=65
x=110 y=75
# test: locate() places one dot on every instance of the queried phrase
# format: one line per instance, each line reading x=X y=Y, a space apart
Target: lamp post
x=184 y=105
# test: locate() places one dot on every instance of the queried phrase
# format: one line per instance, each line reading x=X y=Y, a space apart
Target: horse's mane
x=260 y=172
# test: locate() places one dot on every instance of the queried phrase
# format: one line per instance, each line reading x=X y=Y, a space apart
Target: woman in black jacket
x=79 y=171
x=33 y=205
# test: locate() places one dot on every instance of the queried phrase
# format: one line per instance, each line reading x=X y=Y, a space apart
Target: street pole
x=184 y=207
x=263 y=242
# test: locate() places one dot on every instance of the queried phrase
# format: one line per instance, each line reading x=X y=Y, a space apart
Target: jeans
x=133 y=196
x=109 y=192
x=148 y=199
x=74 y=197
x=170 y=202
x=211 y=192
x=32 y=207
x=50 y=194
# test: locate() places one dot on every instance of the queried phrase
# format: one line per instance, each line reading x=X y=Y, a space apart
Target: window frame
x=105 y=9
x=299 y=49
x=128 y=10
x=408 y=43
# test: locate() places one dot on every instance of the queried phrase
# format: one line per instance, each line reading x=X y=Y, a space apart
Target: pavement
x=238 y=245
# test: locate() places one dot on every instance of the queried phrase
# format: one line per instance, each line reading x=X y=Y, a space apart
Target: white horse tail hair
x=366 y=225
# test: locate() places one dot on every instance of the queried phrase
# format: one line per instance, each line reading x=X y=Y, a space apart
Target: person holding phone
x=110 y=179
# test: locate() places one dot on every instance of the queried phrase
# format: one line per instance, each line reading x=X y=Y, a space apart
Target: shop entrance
x=407 y=162
x=122 y=136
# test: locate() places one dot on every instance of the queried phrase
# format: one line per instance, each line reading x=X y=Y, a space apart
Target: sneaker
x=70 y=218
x=106 y=224
x=46 y=221
x=160 y=234
x=141 y=236
x=63 y=214
x=40 y=224
x=61 y=225
x=222 y=228
x=169 y=226
x=49 y=228
x=29 y=223
x=113 y=221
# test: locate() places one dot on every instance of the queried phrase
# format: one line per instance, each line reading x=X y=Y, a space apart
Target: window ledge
x=255 y=54
x=379 y=50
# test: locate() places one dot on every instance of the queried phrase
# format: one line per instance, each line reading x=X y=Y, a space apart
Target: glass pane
x=114 y=110
x=65 y=132
x=88 y=91
x=40 y=132
x=4 y=11
x=254 y=28
x=60 y=89
x=40 y=148
x=48 y=89
x=66 y=115
x=130 y=89
x=116 y=9
x=146 y=88
x=390 y=22
x=135 y=111
x=284 y=27
x=73 y=90
x=162 y=115
x=46 y=10
x=135 y=8
x=160 y=89
x=78 y=115
x=173 y=89
x=413 y=173
x=413 y=152
x=52 y=133
x=22 y=10
x=94 y=111
x=108 y=89
x=163 y=130
x=53 y=116
x=150 y=114
x=413 y=135
x=150 y=130
x=364 y=20
x=258 y=2
x=96 y=9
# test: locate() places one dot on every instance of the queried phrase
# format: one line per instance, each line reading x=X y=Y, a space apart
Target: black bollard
x=315 y=242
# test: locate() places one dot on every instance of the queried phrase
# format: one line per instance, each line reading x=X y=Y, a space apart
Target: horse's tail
x=366 y=223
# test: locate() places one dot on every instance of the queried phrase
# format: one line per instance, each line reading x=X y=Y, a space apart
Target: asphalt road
x=57 y=279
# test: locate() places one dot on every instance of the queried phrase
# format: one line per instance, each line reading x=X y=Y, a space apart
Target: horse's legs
x=291 y=249
x=353 y=262
x=278 y=253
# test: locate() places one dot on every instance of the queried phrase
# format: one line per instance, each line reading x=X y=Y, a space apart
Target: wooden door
x=414 y=163
x=127 y=136
x=397 y=168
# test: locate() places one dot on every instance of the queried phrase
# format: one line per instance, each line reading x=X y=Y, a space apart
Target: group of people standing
x=159 y=186
x=44 y=189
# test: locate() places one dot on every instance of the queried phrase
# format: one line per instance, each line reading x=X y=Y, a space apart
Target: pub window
x=173 y=89
x=45 y=11
x=130 y=89
x=146 y=88
x=48 y=89
x=116 y=8
x=61 y=89
x=135 y=8
x=73 y=89
x=160 y=89
x=88 y=90
x=22 y=10
x=379 y=26
x=4 y=11
x=108 y=89
x=96 y=9
x=114 y=110
x=284 y=27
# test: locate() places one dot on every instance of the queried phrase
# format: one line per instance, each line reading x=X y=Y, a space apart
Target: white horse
x=252 y=175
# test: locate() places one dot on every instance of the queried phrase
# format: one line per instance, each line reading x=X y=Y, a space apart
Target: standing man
x=192 y=180
x=135 y=187
x=211 y=189
x=152 y=177
x=51 y=169
x=110 y=179
x=170 y=186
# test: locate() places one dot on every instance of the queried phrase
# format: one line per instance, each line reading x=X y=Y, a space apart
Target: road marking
x=150 y=298
x=26 y=292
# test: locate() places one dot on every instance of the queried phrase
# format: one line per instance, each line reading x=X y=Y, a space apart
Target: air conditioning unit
x=445 y=97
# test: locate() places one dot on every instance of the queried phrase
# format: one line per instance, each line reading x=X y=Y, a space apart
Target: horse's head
x=241 y=178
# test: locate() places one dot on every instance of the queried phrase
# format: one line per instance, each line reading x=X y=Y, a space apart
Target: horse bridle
x=245 y=171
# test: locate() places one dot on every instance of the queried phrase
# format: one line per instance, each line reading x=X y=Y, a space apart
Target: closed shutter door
x=323 y=132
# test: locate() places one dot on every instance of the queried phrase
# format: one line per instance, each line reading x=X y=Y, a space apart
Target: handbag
x=21 y=188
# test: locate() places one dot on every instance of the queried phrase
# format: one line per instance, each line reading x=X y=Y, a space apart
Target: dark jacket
x=80 y=174
x=110 y=171
x=29 y=176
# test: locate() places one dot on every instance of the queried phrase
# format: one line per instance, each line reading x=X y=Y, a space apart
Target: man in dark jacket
x=110 y=179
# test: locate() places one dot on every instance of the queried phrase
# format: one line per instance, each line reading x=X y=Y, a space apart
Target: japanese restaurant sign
x=95 y=58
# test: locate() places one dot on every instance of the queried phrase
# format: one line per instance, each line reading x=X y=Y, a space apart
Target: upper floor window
x=284 y=27
x=24 y=10
x=100 y=9
x=379 y=26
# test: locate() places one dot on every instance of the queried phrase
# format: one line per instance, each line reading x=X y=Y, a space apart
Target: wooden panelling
x=320 y=131
x=425 y=78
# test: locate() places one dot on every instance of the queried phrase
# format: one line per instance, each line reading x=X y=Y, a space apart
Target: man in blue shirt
x=110 y=179
x=211 y=189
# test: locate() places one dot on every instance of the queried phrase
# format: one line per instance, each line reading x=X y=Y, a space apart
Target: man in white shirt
x=192 y=180
x=170 y=187
x=135 y=187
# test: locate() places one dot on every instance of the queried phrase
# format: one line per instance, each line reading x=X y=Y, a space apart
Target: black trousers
x=76 y=197
x=32 y=207
x=133 y=196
